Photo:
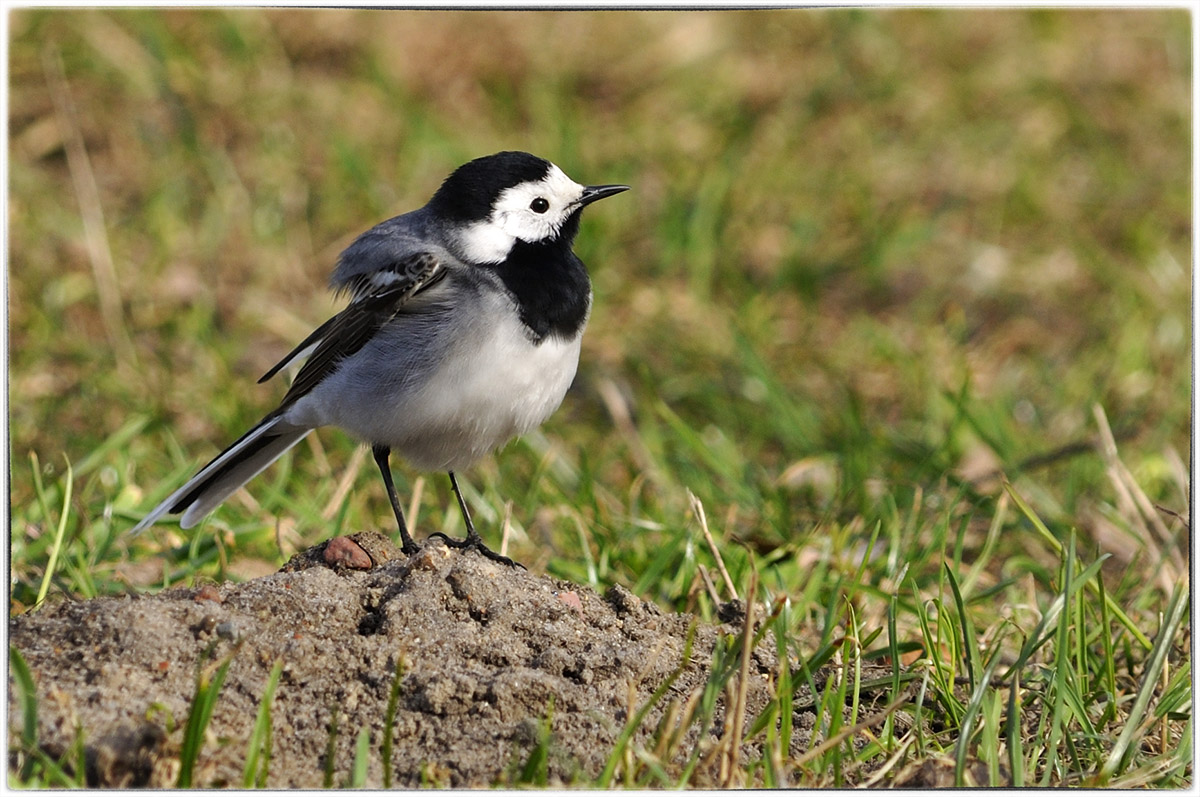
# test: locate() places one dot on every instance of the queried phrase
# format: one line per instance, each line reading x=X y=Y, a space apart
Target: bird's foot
x=475 y=542
x=408 y=546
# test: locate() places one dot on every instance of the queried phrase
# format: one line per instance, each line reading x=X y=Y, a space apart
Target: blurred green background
x=871 y=259
x=892 y=289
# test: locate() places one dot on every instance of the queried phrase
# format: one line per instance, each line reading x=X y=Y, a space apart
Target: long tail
x=232 y=468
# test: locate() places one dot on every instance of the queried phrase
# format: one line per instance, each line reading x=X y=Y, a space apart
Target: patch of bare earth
x=486 y=649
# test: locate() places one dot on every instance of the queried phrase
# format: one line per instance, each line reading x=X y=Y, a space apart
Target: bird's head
x=490 y=203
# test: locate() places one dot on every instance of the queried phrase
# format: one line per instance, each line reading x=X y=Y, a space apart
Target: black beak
x=593 y=192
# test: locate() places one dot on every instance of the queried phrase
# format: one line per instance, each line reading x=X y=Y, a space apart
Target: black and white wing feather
x=379 y=297
x=389 y=286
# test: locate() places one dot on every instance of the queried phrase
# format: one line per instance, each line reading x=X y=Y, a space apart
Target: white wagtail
x=462 y=332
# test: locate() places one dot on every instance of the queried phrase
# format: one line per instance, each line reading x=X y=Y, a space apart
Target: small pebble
x=205 y=627
x=345 y=552
x=429 y=556
x=208 y=593
x=572 y=599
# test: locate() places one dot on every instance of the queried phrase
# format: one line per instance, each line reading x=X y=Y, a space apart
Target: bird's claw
x=475 y=542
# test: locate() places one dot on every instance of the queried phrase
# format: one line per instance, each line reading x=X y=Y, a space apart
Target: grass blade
x=970 y=650
x=1033 y=642
x=974 y=705
x=254 y=773
x=389 y=721
x=1039 y=636
x=785 y=688
x=536 y=771
x=1062 y=655
x=201 y=711
x=1176 y=611
x=1110 y=668
x=27 y=703
x=610 y=767
x=1123 y=618
x=331 y=747
x=60 y=530
x=362 y=752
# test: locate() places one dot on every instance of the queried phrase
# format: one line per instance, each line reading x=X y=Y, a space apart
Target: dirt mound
x=487 y=653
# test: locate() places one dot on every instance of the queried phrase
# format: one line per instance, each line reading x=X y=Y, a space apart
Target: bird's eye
x=539 y=205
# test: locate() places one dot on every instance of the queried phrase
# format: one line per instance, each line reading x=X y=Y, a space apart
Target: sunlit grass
x=875 y=265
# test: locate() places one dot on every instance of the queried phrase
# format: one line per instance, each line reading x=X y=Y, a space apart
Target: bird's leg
x=408 y=545
x=473 y=540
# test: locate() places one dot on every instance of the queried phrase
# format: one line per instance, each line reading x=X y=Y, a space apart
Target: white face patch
x=530 y=212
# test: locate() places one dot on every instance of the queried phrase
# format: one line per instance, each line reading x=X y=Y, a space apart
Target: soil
x=487 y=651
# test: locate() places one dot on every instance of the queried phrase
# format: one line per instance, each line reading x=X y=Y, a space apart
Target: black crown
x=468 y=193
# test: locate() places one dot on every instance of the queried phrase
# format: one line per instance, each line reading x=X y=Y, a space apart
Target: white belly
x=489 y=386
x=483 y=399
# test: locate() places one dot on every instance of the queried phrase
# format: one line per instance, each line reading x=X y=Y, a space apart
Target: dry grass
x=874 y=264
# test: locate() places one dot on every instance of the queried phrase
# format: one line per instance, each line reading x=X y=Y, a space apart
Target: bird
x=462 y=331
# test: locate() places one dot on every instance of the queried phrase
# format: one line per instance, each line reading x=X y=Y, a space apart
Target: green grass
x=884 y=283
x=389 y=718
x=209 y=679
x=30 y=766
x=258 y=751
